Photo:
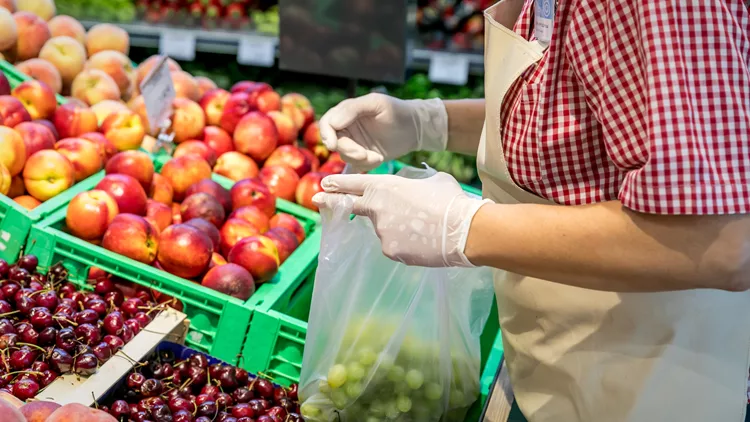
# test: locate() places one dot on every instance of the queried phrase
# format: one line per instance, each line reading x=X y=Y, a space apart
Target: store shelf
x=421 y=58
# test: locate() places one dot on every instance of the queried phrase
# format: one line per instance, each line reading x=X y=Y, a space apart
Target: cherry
x=140 y=416
x=265 y=418
x=215 y=370
x=6 y=327
x=40 y=318
x=225 y=417
x=61 y=360
x=104 y=286
x=115 y=343
x=176 y=378
x=25 y=303
x=102 y=351
x=87 y=316
x=66 y=288
x=242 y=395
x=293 y=392
x=39 y=366
x=161 y=414
x=134 y=325
x=66 y=339
x=287 y=403
x=265 y=404
x=8 y=340
x=25 y=291
x=25 y=388
x=97 y=305
x=77 y=297
x=294 y=417
x=28 y=263
x=4 y=267
x=127 y=334
x=207 y=409
x=85 y=364
x=115 y=298
x=22 y=358
x=263 y=388
x=82 y=348
x=47 y=299
x=181 y=403
x=132 y=306
x=89 y=334
x=202 y=398
x=210 y=390
x=257 y=407
x=242 y=376
x=10 y=289
x=198 y=375
x=5 y=307
x=48 y=336
x=35 y=284
x=113 y=323
x=152 y=387
x=18 y=274
x=162 y=371
x=244 y=410
x=28 y=335
x=199 y=360
x=182 y=367
x=119 y=409
x=203 y=419
x=245 y=420
x=227 y=378
x=182 y=416
x=278 y=394
x=135 y=380
x=224 y=400
x=277 y=412
x=142 y=318
x=47 y=378
x=150 y=403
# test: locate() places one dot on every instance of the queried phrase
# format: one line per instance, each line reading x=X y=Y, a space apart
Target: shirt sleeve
x=671 y=90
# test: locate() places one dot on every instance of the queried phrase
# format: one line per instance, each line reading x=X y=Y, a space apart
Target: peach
x=9 y=5
x=104 y=108
x=124 y=129
x=16 y=186
x=65 y=25
x=286 y=242
x=253 y=192
x=83 y=154
x=6 y=180
x=67 y=55
x=4 y=83
x=213 y=103
x=313 y=159
x=258 y=255
x=233 y=231
x=49 y=125
x=47 y=173
x=236 y=166
x=188 y=120
x=285 y=127
x=204 y=85
x=38 y=411
x=33 y=32
x=295 y=114
x=235 y=108
x=105 y=36
x=11 y=400
x=127 y=192
x=301 y=103
x=45 y=9
x=218 y=140
x=230 y=279
x=12 y=150
x=106 y=149
x=75 y=101
x=184 y=251
x=160 y=214
x=27 y=201
x=43 y=71
x=197 y=148
x=308 y=186
x=36 y=137
x=90 y=213
x=214 y=189
x=205 y=206
x=132 y=236
x=252 y=215
x=216 y=259
x=185 y=86
x=117 y=65
x=138 y=105
x=290 y=223
x=12 y=111
x=147 y=65
x=136 y=164
x=256 y=136
x=184 y=171
x=269 y=101
x=209 y=230
x=93 y=86
x=281 y=180
x=333 y=167
x=176 y=216
x=8 y=30
x=10 y=411
x=311 y=136
x=291 y=156
x=161 y=190
x=72 y=120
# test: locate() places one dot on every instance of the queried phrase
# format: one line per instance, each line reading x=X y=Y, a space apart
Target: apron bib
x=581 y=355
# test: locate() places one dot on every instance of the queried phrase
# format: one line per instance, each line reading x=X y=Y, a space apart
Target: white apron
x=581 y=355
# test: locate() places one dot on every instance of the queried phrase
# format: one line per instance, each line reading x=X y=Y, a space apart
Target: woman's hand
x=422 y=222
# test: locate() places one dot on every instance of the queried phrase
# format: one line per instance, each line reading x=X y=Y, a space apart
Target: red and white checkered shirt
x=647 y=102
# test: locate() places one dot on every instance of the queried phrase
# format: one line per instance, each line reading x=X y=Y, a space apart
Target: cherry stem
x=9 y=313
x=32 y=345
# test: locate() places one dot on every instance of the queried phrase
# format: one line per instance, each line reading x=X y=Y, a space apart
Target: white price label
x=158 y=93
x=256 y=51
x=449 y=68
x=177 y=44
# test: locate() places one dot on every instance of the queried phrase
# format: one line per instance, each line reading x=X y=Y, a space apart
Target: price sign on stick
x=177 y=44
x=256 y=51
x=449 y=68
x=158 y=93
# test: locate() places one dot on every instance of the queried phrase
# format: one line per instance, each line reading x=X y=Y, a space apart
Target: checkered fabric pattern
x=647 y=102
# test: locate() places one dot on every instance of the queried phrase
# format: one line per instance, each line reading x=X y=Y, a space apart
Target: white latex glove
x=423 y=222
x=374 y=128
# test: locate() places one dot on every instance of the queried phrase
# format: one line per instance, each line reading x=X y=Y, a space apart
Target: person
x=615 y=165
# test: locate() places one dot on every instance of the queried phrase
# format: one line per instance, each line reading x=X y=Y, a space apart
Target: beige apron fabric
x=581 y=355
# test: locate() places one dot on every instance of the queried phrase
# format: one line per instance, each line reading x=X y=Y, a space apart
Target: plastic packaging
x=387 y=341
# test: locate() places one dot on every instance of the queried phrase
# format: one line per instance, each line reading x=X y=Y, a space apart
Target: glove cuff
x=431 y=119
x=461 y=211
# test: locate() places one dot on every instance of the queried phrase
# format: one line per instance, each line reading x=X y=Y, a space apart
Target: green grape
x=367 y=356
x=401 y=389
x=396 y=374
x=354 y=390
x=403 y=404
x=372 y=419
x=337 y=376
x=339 y=399
x=392 y=411
x=355 y=372
x=414 y=379
x=323 y=387
x=457 y=398
x=378 y=408
x=433 y=391
x=309 y=411
x=420 y=411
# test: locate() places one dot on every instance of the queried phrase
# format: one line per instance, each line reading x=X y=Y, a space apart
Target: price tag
x=158 y=93
x=177 y=44
x=256 y=51
x=449 y=68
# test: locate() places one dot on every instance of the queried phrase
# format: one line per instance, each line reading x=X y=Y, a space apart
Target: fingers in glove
x=353 y=184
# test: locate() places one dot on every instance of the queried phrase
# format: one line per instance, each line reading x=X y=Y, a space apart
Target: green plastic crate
x=218 y=322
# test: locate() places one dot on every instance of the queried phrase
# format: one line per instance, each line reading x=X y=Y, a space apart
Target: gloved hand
x=374 y=128
x=422 y=222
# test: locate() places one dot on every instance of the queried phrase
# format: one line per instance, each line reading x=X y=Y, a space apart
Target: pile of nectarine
x=183 y=222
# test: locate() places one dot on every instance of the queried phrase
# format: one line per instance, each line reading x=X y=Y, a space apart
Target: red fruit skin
x=136 y=164
x=281 y=180
x=236 y=107
x=286 y=242
x=184 y=251
x=230 y=279
x=12 y=111
x=252 y=215
x=132 y=236
x=209 y=230
x=218 y=140
x=233 y=231
x=127 y=192
x=253 y=192
x=205 y=206
x=290 y=223
x=214 y=189
x=308 y=186
x=258 y=255
x=256 y=136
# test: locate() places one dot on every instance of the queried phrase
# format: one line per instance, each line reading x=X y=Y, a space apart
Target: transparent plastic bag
x=387 y=341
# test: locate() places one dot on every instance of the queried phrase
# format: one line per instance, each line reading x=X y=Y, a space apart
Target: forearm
x=465 y=120
x=608 y=247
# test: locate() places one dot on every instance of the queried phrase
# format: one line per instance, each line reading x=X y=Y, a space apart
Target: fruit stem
x=9 y=313
x=32 y=345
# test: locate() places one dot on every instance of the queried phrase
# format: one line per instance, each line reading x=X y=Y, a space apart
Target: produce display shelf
x=218 y=322
x=15 y=77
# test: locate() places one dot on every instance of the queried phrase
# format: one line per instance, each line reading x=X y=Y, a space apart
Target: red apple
x=90 y=213
x=205 y=206
x=209 y=230
x=136 y=164
x=183 y=171
x=12 y=111
x=35 y=136
x=256 y=136
x=236 y=107
x=127 y=192
x=132 y=236
x=233 y=231
x=290 y=223
x=236 y=166
x=184 y=251
x=161 y=214
x=291 y=156
x=281 y=180
x=198 y=148
x=213 y=103
x=218 y=140
x=253 y=192
x=308 y=186
x=214 y=189
x=252 y=215
x=230 y=279
x=258 y=255
x=286 y=242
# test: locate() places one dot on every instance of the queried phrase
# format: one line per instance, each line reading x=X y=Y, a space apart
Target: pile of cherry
x=193 y=390
x=48 y=327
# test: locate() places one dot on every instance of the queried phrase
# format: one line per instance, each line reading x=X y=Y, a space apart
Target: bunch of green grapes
x=371 y=383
